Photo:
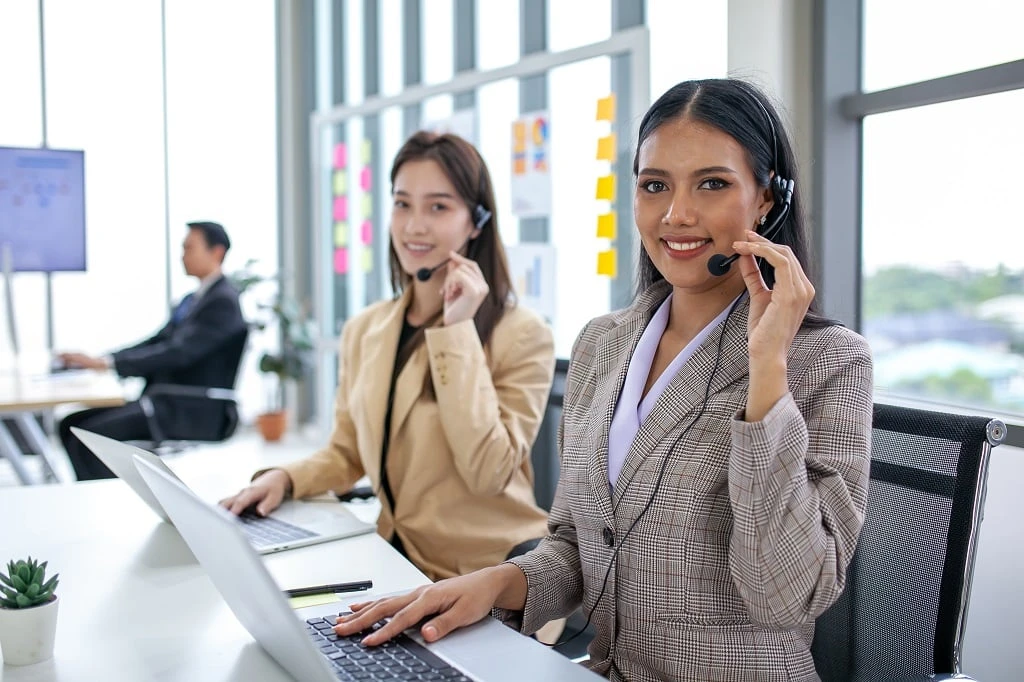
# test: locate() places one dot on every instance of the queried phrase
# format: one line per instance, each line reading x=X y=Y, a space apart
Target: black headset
x=782 y=192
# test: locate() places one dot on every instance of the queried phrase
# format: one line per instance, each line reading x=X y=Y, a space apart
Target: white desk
x=22 y=395
x=135 y=605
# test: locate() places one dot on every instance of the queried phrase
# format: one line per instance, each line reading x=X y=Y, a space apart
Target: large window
x=942 y=271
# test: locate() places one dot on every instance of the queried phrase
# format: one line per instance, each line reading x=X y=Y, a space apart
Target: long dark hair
x=468 y=173
x=745 y=113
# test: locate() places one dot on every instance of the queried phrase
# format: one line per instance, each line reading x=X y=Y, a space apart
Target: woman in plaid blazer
x=715 y=437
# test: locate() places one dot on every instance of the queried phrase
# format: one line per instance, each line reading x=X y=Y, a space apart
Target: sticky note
x=366 y=232
x=366 y=152
x=340 y=183
x=367 y=206
x=340 y=261
x=341 y=208
x=313 y=600
x=606 y=226
x=606 y=188
x=606 y=262
x=606 y=108
x=606 y=148
x=340 y=155
x=341 y=233
x=365 y=176
x=367 y=260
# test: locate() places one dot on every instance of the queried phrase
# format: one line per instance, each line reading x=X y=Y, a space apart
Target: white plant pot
x=27 y=635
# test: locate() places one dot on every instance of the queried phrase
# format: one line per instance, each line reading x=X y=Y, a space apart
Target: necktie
x=182 y=310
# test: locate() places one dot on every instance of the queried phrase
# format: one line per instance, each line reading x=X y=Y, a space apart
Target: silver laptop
x=301 y=640
x=293 y=524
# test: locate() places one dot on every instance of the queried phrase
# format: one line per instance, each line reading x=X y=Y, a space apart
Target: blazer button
x=609 y=536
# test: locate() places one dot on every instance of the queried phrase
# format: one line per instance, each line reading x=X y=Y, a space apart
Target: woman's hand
x=464 y=289
x=775 y=318
x=266 y=493
x=450 y=604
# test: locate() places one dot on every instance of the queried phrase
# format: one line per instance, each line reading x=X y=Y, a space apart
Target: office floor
x=992 y=650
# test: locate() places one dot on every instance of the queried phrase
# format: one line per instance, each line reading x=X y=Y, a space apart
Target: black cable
x=661 y=475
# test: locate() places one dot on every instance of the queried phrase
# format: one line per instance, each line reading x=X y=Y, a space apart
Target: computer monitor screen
x=42 y=208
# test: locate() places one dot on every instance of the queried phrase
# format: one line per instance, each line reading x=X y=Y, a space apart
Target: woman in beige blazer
x=441 y=391
x=715 y=434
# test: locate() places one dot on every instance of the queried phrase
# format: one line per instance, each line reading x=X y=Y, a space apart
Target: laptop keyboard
x=264 y=531
x=403 y=658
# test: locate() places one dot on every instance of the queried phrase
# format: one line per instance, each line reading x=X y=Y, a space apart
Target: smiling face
x=428 y=217
x=695 y=195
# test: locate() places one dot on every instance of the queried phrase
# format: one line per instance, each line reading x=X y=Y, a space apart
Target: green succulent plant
x=23 y=586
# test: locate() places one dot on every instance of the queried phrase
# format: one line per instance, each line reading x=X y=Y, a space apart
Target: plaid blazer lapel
x=683 y=398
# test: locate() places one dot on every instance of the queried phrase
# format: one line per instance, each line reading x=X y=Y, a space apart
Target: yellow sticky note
x=606 y=262
x=606 y=108
x=341 y=234
x=606 y=226
x=313 y=600
x=366 y=152
x=606 y=187
x=367 y=206
x=340 y=184
x=606 y=148
x=367 y=260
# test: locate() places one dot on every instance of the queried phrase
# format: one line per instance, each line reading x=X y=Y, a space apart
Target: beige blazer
x=749 y=533
x=459 y=460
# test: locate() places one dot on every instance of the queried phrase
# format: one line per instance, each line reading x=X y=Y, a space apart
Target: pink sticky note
x=341 y=208
x=340 y=155
x=365 y=176
x=367 y=232
x=340 y=261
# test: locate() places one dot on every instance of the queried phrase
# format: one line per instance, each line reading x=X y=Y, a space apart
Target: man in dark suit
x=199 y=346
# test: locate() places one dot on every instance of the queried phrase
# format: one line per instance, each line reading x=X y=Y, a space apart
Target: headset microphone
x=718 y=264
x=480 y=216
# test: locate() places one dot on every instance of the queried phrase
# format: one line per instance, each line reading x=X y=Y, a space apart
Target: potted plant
x=28 y=612
x=293 y=359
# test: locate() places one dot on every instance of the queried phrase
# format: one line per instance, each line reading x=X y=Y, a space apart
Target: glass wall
x=105 y=95
x=943 y=272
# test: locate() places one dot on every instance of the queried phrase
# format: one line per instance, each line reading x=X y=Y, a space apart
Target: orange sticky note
x=366 y=152
x=606 y=108
x=606 y=262
x=606 y=226
x=606 y=188
x=341 y=233
x=606 y=148
x=367 y=260
x=367 y=206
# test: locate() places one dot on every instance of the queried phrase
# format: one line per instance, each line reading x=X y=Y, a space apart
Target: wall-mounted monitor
x=42 y=208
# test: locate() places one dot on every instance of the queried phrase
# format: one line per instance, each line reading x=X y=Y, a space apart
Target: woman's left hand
x=464 y=289
x=775 y=314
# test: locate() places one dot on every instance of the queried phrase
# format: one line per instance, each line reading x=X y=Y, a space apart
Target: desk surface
x=28 y=392
x=135 y=605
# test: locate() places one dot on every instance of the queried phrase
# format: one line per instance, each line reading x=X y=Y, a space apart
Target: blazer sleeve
x=798 y=487
x=337 y=466
x=206 y=331
x=490 y=419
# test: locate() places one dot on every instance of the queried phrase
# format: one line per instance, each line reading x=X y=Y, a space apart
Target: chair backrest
x=903 y=611
x=544 y=455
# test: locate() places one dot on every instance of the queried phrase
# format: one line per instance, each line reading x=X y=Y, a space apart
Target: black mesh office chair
x=188 y=397
x=902 y=614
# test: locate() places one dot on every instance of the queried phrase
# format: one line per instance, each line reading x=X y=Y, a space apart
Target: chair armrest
x=182 y=391
x=937 y=677
x=178 y=391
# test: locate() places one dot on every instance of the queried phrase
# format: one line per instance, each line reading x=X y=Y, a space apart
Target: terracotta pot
x=27 y=635
x=272 y=425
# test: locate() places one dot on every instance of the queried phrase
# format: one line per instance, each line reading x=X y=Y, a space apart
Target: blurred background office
x=281 y=118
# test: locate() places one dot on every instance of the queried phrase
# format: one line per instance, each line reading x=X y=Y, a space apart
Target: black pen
x=356 y=586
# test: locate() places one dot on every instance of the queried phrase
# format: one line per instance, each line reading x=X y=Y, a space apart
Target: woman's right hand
x=265 y=493
x=452 y=603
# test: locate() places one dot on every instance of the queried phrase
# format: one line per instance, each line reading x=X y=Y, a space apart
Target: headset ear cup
x=480 y=216
x=778 y=188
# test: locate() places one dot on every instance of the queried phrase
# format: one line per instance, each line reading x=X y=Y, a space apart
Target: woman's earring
x=763 y=219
